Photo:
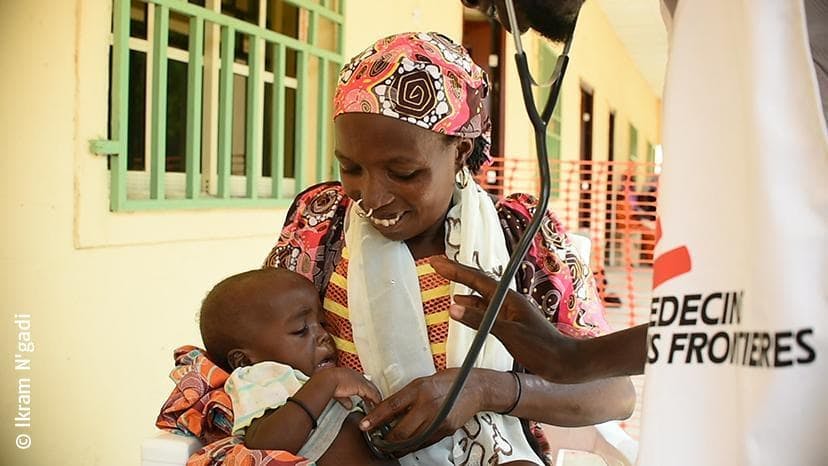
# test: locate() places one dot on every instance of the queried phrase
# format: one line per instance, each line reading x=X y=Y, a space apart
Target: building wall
x=107 y=308
x=111 y=295
x=369 y=20
x=601 y=64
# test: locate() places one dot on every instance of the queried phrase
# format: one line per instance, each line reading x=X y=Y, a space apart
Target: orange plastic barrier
x=614 y=204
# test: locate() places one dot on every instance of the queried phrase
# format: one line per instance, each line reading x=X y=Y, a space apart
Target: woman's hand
x=416 y=405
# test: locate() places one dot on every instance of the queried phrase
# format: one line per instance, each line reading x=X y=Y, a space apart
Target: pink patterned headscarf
x=422 y=78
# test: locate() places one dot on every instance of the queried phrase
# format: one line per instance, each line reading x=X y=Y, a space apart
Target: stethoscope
x=540 y=122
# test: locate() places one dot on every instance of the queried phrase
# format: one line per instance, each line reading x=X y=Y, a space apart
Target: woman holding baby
x=411 y=131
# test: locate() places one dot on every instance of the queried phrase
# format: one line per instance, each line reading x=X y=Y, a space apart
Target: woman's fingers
x=388 y=409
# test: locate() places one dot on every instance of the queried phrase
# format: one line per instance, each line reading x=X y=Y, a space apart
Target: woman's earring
x=461 y=179
x=361 y=212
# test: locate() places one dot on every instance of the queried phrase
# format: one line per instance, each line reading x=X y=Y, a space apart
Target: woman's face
x=404 y=172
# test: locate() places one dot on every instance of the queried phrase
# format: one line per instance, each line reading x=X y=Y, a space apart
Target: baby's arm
x=288 y=427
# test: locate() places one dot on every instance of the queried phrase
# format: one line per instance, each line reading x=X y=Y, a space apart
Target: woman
x=410 y=124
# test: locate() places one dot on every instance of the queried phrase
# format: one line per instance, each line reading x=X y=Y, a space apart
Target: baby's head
x=266 y=315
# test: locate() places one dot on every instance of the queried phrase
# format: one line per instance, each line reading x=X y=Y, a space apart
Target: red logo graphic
x=670 y=264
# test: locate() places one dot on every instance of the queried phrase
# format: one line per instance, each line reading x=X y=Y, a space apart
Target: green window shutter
x=548 y=60
x=633 y=143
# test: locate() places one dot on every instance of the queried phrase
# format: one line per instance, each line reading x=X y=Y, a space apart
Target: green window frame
x=548 y=58
x=633 y=143
x=254 y=78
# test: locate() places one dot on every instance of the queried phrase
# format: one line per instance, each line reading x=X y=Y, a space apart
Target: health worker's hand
x=536 y=343
x=416 y=405
x=531 y=339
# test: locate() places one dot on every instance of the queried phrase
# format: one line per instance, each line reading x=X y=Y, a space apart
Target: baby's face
x=291 y=330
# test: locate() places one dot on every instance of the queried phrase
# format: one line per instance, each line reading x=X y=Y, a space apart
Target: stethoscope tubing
x=540 y=122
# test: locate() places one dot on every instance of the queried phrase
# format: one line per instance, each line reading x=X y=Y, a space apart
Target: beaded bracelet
x=304 y=408
x=519 y=390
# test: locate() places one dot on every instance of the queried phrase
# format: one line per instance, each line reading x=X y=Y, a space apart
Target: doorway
x=609 y=216
x=485 y=41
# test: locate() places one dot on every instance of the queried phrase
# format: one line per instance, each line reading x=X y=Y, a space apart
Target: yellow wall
x=104 y=318
x=111 y=295
x=369 y=20
x=601 y=63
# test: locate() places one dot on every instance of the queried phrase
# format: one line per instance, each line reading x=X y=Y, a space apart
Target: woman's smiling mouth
x=386 y=222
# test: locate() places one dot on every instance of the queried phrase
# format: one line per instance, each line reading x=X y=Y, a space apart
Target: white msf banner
x=738 y=350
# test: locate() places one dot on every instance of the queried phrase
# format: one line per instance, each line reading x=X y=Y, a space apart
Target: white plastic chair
x=167 y=449
x=615 y=447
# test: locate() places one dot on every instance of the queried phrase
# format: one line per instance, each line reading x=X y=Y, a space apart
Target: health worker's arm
x=536 y=343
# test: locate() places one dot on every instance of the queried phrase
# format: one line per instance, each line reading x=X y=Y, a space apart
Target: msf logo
x=670 y=264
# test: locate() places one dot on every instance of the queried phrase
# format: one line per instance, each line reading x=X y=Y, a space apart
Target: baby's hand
x=348 y=383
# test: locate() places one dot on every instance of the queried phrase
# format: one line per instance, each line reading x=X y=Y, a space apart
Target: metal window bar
x=225 y=131
x=160 y=33
x=195 y=81
x=196 y=194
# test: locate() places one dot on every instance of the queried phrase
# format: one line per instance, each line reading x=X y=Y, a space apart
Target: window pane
x=267 y=130
x=290 y=132
x=326 y=36
x=288 y=122
x=283 y=18
x=633 y=143
x=136 y=127
x=179 y=31
x=242 y=52
x=237 y=165
x=176 y=116
x=138 y=19
x=245 y=10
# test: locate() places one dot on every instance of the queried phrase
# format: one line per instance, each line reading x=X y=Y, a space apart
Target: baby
x=263 y=327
